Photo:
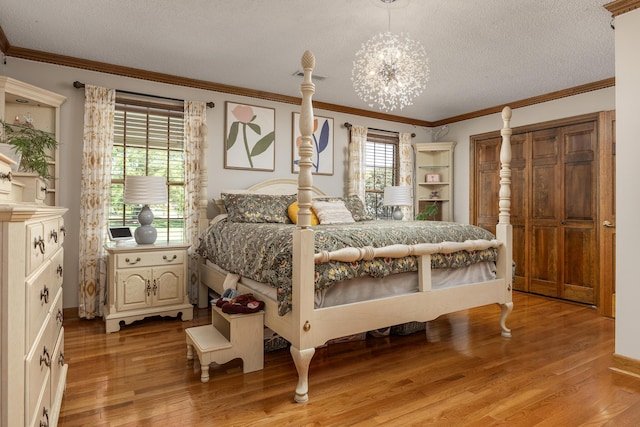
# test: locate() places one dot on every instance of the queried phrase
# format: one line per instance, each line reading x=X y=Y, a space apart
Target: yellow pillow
x=293 y=209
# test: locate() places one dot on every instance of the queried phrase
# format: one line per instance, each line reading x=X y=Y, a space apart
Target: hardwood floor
x=553 y=372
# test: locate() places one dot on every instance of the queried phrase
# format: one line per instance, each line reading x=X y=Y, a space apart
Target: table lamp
x=145 y=190
x=397 y=196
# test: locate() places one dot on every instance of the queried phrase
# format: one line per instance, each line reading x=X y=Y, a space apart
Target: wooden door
x=545 y=195
x=579 y=225
x=485 y=208
x=554 y=206
x=607 y=191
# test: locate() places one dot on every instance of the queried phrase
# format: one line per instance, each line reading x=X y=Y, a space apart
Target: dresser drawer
x=5 y=184
x=36 y=246
x=37 y=375
x=150 y=259
x=52 y=237
x=57 y=363
x=57 y=264
x=41 y=294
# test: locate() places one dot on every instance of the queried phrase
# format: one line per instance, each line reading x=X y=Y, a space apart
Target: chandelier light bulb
x=390 y=70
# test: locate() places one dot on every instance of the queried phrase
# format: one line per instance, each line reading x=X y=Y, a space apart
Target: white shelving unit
x=434 y=177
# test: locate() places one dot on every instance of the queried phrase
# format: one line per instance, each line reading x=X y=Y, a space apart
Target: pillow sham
x=332 y=212
x=293 y=214
x=353 y=203
x=257 y=208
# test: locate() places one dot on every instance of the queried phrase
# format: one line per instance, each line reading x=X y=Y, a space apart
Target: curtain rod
x=79 y=85
x=348 y=126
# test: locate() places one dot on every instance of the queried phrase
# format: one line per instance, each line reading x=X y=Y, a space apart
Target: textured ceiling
x=483 y=53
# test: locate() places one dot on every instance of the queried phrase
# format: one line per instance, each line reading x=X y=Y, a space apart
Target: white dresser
x=33 y=371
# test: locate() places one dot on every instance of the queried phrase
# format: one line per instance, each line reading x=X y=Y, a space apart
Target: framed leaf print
x=322 y=141
x=249 y=137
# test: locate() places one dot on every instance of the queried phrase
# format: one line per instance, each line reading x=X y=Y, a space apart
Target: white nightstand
x=146 y=280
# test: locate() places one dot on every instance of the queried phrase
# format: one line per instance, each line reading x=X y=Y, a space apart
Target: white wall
x=600 y=100
x=627 y=179
x=59 y=79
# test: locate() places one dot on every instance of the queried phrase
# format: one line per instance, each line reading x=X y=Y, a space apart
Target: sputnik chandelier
x=390 y=70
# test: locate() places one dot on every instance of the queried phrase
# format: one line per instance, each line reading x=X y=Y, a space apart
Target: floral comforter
x=263 y=251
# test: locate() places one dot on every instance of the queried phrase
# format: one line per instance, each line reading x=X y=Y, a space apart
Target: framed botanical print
x=322 y=141
x=249 y=136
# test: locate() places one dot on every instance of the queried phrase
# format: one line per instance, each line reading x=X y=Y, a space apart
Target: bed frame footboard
x=306 y=327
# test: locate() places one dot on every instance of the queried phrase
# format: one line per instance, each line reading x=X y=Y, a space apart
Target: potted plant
x=32 y=146
x=429 y=212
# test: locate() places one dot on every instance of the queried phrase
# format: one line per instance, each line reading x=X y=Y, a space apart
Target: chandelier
x=390 y=70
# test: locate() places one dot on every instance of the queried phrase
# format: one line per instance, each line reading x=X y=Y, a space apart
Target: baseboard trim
x=626 y=365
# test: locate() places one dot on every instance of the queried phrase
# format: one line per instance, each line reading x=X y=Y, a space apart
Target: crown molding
x=85 y=64
x=619 y=7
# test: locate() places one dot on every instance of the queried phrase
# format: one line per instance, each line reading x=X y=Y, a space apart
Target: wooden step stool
x=230 y=336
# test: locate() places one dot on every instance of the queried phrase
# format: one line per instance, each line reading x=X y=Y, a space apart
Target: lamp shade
x=397 y=196
x=145 y=190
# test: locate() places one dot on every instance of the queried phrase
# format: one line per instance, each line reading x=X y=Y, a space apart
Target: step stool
x=230 y=336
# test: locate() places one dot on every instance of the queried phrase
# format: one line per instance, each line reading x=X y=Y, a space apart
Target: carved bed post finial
x=305 y=149
x=505 y=168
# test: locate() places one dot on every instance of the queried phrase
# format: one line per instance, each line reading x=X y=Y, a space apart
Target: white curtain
x=99 y=108
x=405 y=173
x=195 y=130
x=357 y=157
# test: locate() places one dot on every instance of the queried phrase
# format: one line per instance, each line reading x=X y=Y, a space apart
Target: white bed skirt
x=368 y=288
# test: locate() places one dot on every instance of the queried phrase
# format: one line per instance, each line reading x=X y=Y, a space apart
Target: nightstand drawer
x=150 y=259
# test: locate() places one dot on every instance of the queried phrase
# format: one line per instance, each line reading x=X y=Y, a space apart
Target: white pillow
x=333 y=212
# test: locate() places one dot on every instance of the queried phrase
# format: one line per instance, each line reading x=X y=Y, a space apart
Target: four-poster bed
x=305 y=325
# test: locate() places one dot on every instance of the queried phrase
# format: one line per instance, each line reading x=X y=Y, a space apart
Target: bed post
x=504 y=231
x=302 y=349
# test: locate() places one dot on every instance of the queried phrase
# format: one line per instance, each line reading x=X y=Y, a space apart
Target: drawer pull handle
x=43 y=188
x=60 y=317
x=164 y=257
x=44 y=294
x=61 y=359
x=45 y=414
x=128 y=261
x=39 y=243
x=54 y=236
x=63 y=230
x=45 y=357
x=59 y=270
x=6 y=176
x=148 y=287
x=155 y=287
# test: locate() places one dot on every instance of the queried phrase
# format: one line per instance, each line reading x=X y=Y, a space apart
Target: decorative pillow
x=356 y=207
x=333 y=212
x=257 y=207
x=353 y=203
x=293 y=214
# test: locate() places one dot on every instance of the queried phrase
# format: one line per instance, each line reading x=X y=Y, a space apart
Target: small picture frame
x=432 y=177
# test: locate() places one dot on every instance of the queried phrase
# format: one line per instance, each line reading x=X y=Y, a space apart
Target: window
x=381 y=170
x=149 y=140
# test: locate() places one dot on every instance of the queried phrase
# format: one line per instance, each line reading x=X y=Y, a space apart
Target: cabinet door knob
x=45 y=357
x=148 y=287
x=44 y=294
x=45 y=415
x=39 y=243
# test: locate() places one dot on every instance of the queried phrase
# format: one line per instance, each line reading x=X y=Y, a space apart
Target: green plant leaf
x=263 y=144
x=233 y=135
x=254 y=127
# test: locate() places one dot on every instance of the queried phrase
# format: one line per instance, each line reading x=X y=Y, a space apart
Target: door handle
x=607 y=224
